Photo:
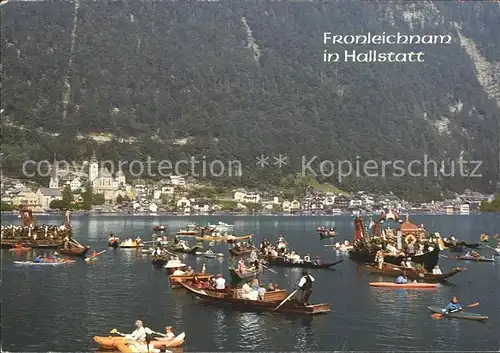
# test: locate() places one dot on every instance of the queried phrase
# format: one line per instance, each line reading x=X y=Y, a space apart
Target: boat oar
x=269 y=269
x=286 y=299
x=438 y=316
x=87 y=259
x=115 y=331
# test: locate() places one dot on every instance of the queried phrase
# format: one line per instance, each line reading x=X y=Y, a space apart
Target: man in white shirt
x=220 y=283
x=139 y=334
x=305 y=284
x=178 y=272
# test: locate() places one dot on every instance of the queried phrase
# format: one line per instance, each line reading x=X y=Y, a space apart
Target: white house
x=246 y=197
x=167 y=190
x=329 y=200
x=47 y=195
x=153 y=208
x=286 y=206
x=75 y=184
x=201 y=208
x=19 y=186
x=355 y=203
x=294 y=205
x=157 y=194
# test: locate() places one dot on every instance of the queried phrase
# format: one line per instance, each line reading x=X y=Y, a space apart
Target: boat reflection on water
x=251 y=330
x=220 y=329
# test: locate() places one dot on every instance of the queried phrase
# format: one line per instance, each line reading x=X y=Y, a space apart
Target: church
x=103 y=181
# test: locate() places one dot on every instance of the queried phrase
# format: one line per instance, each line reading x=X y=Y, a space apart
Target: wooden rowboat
x=280 y=261
x=20 y=249
x=176 y=280
x=74 y=251
x=225 y=238
x=395 y=271
x=236 y=275
x=291 y=306
x=245 y=251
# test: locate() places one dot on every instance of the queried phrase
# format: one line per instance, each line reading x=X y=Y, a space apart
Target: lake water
x=62 y=308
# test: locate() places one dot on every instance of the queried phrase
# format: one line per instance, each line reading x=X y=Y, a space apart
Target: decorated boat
x=111 y=343
x=237 y=275
x=127 y=244
x=414 y=274
x=31 y=235
x=281 y=261
x=291 y=306
x=365 y=248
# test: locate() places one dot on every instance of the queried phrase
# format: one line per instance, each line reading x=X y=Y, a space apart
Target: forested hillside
x=234 y=80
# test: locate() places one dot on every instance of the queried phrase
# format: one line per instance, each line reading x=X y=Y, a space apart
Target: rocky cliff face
x=231 y=81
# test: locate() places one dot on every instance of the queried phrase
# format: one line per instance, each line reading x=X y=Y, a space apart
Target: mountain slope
x=232 y=81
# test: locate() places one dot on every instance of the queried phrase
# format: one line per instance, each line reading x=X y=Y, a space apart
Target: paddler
x=139 y=334
x=379 y=258
x=39 y=258
x=453 y=306
x=305 y=284
x=169 y=335
x=402 y=279
x=436 y=270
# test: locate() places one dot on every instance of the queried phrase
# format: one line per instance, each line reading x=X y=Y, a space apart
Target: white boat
x=31 y=263
x=221 y=226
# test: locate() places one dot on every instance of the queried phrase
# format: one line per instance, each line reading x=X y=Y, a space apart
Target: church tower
x=54 y=178
x=93 y=170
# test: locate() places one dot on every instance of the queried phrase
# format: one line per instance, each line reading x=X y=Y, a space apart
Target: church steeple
x=54 y=178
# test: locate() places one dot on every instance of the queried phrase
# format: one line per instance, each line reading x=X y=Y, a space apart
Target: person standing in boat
x=220 y=283
x=379 y=258
x=306 y=284
x=254 y=259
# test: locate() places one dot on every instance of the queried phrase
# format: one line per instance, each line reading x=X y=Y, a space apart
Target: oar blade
x=437 y=316
x=473 y=305
x=113 y=331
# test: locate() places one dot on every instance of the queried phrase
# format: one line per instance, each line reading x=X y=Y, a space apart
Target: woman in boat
x=189 y=271
x=241 y=266
x=178 y=272
x=436 y=270
x=270 y=287
x=453 y=306
x=246 y=290
x=307 y=258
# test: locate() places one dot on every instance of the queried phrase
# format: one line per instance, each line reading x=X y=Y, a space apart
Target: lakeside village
x=176 y=195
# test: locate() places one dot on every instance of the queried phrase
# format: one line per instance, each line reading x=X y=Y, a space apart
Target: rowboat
x=131 y=245
x=111 y=343
x=460 y=246
x=280 y=261
x=176 y=280
x=290 y=306
x=326 y=235
x=225 y=238
x=159 y=228
x=209 y=255
x=245 y=251
x=458 y=315
x=74 y=251
x=396 y=271
x=114 y=243
x=54 y=263
x=188 y=250
x=403 y=285
x=236 y=275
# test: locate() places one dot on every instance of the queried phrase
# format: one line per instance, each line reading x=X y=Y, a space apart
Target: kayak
x=458 y=314
x=113 y=342
x=31 y=263
x=20 y=249
x=403 y=285
x=136 y=347
x=472 y=258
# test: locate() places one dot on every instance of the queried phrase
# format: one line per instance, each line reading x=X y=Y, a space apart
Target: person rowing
x=453 y=306
x=402 y=279
x=305 y=284
x=139 y=333
x=39 y=258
